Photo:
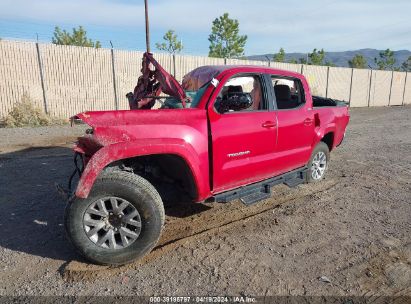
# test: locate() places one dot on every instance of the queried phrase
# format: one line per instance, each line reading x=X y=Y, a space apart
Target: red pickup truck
x=243 y=130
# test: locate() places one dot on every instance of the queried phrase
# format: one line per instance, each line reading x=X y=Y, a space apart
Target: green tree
x=386 y=61
x=358 y=62
x=317 y=57
x=280 y=56
x=225 y=41
x=293 y=60
x=171 y=43
x=406 y=65
x=77 y=37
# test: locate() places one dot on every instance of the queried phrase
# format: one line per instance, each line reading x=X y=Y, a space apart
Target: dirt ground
x=349 y=235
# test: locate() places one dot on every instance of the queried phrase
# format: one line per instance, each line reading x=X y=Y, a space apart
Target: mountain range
x=341 y=58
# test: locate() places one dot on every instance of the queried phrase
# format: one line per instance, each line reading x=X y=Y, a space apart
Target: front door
x=243 y=141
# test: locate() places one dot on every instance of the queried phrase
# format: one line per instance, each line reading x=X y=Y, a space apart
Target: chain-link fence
x=65 y=80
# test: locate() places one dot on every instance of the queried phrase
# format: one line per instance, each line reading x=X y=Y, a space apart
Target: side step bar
x=294 y=182
x=256 y=192
x=254 y=198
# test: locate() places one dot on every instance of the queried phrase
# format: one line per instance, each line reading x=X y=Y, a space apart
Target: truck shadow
x=184 y=208
x=32 y=210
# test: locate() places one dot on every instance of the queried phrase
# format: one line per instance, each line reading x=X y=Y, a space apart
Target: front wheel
x=318 y=163
x=120 y=221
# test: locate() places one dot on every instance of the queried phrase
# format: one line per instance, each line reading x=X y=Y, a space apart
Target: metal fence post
x=302 y=68
x=369 y=90
x=114 y=77
x=389 y=98
x=405 y=86
x=328 y=76
x=352 y=76
x=269 y=61
x=174 y=65
x=225 y=61
x=42 y=78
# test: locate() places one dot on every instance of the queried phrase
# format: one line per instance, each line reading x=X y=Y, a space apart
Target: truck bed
x=327 y=102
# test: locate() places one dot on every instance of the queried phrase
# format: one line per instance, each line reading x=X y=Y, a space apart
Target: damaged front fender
x=124 y=150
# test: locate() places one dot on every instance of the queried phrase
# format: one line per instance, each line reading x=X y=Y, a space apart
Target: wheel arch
x=173 y=166
x=328 y=139
x=176 y=152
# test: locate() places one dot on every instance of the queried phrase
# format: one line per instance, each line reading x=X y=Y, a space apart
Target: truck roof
x=221 y=68
x=202 y=75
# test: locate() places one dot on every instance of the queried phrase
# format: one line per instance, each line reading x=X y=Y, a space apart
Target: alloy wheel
x=112 y=223
x=318 y=166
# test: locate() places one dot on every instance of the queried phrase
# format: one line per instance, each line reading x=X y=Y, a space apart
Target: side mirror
x=234 y=102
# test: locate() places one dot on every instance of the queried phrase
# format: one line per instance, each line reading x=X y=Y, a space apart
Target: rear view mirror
x=234 y=102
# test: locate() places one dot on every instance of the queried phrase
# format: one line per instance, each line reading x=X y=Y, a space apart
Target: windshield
x=198 y=95
x=173 y=103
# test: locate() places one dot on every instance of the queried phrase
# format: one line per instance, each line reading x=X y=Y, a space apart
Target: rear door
x=243 y=142
x=296 y=122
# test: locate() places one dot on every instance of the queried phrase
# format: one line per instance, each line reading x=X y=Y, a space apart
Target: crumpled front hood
x=129 y=125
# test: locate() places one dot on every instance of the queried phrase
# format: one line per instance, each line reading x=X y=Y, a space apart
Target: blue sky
x=297 y=26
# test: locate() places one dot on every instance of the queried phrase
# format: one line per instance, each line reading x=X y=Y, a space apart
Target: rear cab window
x=288 y=91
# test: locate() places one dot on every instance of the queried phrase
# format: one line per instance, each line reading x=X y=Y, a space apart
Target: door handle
x=269 y=124
x=308 y=122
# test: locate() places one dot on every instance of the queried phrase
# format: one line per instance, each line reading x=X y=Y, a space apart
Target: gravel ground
x=14 y=139
x=349 y=235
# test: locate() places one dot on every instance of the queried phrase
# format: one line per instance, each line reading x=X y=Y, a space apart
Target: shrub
x=25 y=114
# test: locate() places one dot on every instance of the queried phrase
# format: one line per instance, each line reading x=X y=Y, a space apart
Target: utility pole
x=147 y=27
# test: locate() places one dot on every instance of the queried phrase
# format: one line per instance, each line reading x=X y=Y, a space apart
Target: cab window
x=289 y=93
x=241 y=93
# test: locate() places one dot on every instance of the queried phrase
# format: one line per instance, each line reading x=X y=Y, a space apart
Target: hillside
x=341 y=58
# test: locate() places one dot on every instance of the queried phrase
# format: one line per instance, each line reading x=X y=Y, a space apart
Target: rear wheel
x=318 y=164
x=119 y=222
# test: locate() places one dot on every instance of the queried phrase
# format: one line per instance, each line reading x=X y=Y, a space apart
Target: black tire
x=138 y=192
x=321 y=147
